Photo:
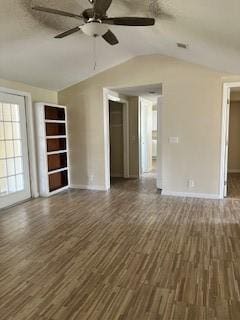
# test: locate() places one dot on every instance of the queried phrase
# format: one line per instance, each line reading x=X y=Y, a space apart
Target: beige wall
x=234 y=137
x=38 y=94
x=191 y=111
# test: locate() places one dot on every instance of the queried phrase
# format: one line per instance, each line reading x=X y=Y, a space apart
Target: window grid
x=11 y=180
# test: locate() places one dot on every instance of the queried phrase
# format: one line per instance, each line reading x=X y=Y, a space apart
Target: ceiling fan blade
x=129 y=21
x=110 y=38
x=59 y=12
x=67 y=33
x=101 y=6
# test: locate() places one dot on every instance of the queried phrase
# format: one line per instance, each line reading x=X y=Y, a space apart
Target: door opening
x=133 y=114
x=149 y=139
x=116 y=139
x=232 y=144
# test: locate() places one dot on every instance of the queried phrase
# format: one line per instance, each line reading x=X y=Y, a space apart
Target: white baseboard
x=88 y=187
x=164 y=193
x=192 y=195
x=234 y=171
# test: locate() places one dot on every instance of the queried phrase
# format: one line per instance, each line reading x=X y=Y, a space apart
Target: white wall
x=154 y=131
x=191 y=111
x=146 y=134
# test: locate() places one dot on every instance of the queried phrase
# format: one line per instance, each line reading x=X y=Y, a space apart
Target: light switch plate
x=173 y=139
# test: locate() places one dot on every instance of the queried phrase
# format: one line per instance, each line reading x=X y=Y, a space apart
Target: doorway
x=148 y=136
x=116 y=139
x=125 y=118
x=230 y=176
x=14 y=160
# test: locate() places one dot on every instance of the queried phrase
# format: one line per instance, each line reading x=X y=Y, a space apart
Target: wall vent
x=182 y=45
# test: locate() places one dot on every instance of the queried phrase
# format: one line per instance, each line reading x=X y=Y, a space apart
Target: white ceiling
x=150 y=92
x=28 y=52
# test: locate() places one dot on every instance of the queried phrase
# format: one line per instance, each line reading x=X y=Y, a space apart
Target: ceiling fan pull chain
x=94 y=53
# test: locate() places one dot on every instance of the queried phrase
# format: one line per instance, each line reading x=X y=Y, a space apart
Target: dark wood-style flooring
x=127 y=254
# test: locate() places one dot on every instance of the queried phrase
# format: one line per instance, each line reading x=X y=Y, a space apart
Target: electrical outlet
x=91 y=178
x=191 y=183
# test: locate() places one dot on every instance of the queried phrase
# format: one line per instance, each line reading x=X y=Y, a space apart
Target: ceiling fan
x=95 y=21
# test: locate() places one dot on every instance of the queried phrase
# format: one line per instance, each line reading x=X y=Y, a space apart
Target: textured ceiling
x=28 y=52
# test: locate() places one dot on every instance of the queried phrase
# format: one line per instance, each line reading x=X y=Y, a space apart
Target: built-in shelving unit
x=52 y=140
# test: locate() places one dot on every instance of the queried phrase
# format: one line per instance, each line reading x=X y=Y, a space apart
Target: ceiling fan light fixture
x=94 y=29
x=95 y=21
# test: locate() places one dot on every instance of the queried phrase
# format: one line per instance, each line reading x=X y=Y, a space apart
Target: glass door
x=14 y=162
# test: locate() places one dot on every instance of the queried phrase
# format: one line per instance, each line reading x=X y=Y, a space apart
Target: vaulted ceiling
x=30 y=54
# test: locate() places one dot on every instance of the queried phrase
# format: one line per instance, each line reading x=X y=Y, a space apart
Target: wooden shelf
x=54 y=113
x=58 y=180
x=56 y=137
x=56 y=144
x=55 y=121
x=52 y=148
x=57 y=161
x=56 y=152
x=55 y=129
x=57 y=170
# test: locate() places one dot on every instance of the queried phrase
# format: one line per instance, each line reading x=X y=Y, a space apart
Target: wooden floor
x=128 y=254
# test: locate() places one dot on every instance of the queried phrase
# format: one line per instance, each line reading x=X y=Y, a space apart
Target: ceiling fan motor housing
x=94 y=29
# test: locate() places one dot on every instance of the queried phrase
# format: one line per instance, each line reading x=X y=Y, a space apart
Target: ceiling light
x=182 y=45
x=94 y=29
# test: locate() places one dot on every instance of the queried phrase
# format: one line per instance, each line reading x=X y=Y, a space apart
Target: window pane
x=16 y=130
x=8 y=130
x=10 y=167
x=18 y=165
x=11 y=184
x=9 y=149
x=1 y=131
x=2 y=149
x=15 y=112
x=19 y=182
x=3 y=186
x=17 y=148
x=6 y=112
x=3 y=168
x=1 y=114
